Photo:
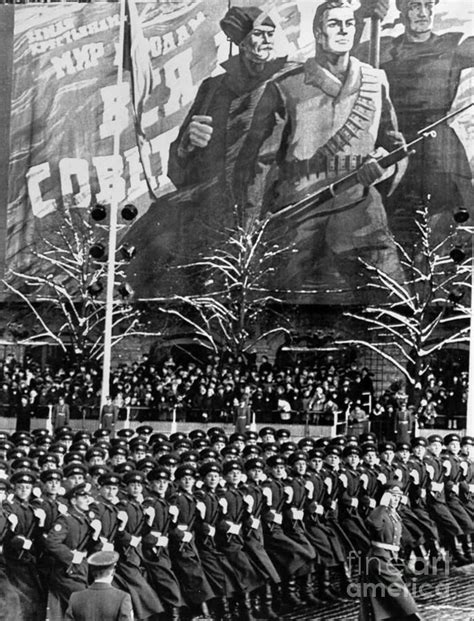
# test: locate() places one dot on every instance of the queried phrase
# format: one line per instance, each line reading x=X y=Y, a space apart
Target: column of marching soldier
x=216 y=526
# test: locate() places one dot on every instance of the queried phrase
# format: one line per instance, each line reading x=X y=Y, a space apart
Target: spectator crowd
x=220 y=388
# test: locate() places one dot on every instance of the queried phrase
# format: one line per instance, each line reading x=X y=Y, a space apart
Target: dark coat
x=100 y=602
x=20 y=562
x=129 y=575
x=70 y=532
x=384 y=593
x=156 y=555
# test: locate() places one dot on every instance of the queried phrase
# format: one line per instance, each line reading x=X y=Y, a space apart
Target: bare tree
x=237 y=298
x=424 y=314
x=62 y=287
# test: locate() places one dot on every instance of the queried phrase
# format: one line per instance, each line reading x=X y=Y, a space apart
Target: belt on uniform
x=385 y=546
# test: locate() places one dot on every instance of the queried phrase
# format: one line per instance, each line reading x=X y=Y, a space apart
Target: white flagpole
x=112 y=244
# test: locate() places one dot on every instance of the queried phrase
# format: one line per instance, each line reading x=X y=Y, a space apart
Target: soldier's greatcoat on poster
x=348 y=119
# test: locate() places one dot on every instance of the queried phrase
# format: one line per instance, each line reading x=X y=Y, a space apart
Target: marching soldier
x=455 y=472
x=448 y=527
x=68 y=544
x=229 y=536
x=21 y=548
x=289 y=557
x=155 y=549
x=293 y=519
x=216 y=565
x=254 y=543
x=187 y=566
x=349 y=516
x=128 y=539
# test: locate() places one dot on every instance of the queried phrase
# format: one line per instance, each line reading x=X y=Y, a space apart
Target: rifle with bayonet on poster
x=331 y=191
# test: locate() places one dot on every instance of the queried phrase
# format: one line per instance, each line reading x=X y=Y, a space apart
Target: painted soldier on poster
x=424 y=71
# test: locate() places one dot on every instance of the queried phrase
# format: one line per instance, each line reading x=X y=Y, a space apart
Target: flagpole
x=112 y=243
x=375 y=42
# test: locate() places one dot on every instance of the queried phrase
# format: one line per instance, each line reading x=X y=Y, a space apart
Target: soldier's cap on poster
x=400 y=4
x=158 y=473
x=83 y=489
x=51 y=474
x=452 y=437
x=231 y=466
x=254 y=463
x=103 y=559
x=209 y=467
x=239 y=21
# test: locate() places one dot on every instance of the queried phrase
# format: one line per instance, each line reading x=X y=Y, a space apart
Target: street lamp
x=461 y=216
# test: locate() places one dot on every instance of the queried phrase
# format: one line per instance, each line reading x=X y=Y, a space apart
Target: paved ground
x=441 y=598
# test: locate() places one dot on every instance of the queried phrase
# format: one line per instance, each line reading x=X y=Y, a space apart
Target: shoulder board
x=290 y=69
